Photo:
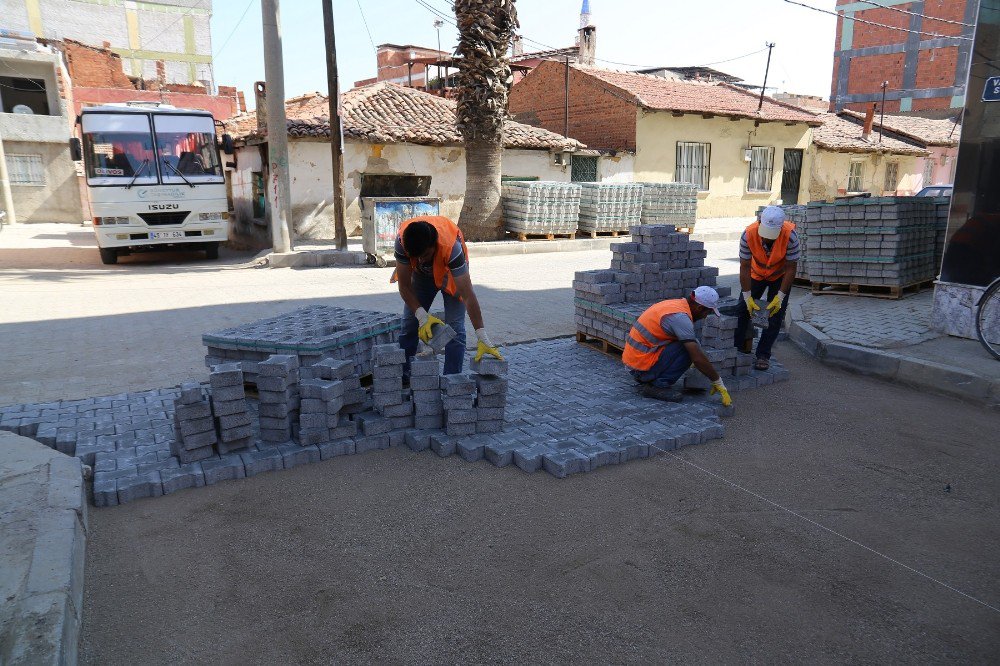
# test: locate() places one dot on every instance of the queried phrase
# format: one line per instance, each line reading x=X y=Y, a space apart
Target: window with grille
x=761 y=168
x=26 y=169
x=856 y=177
x=693 y=162
x=584 y=169
x=257 y=185
x=891 y=176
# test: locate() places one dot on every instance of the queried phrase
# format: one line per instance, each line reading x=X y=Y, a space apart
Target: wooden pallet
x=872 y=290
x=685 y=230
x=600 y=343
x=602 y=234
x=530 y=237
x=802 y=282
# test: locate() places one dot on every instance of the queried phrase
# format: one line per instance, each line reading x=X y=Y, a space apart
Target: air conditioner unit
x=748 y=155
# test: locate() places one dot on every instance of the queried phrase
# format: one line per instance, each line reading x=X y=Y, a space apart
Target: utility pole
x=881 y=117
x=278 y=185
x=336 y=136
x=8 y=199
x=767 y=68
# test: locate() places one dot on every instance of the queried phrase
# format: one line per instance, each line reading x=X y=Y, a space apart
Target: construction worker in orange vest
x=769 y=252
x=430 y=257
x=662 y=345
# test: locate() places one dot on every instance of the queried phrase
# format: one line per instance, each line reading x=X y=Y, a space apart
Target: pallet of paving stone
x=540 y=207
x=311 y=333
x=669 y=203
x=892 y=292
x=525 y=237
x=610 y=206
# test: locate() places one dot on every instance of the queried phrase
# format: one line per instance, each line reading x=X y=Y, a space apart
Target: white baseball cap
x=707 y=297
x=771 y=219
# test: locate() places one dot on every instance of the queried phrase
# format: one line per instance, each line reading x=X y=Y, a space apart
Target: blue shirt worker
x=769 y=252
x=662 y=345
x=431 y=257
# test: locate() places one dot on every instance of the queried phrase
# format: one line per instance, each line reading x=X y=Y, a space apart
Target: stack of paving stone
x=610 y=206
x=278 y=389
x=194 y=428
x=796 y=213
x=942 y=207
x=716 y=338
x=311 y=333
x=458 y=397
x=490 y=375
x=659 y=263
x=670 y=203
x=425 y=387
x=229 y=405
x=388 y=396
x=333 y=383
x=541 y=207
x=888 y=241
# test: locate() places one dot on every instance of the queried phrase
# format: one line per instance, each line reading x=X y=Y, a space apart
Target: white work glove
x=484 y=337
x=485 y=346
x=746 y=296
x=421 y=316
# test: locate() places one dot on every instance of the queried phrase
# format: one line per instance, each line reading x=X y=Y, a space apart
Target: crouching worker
x=431 y=257
x=662 y=345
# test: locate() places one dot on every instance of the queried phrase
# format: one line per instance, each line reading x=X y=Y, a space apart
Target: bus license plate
x=162 y=235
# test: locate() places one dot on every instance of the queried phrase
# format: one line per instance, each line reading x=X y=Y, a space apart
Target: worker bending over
x=662 y=345
x=769 y=250
x=430 y=257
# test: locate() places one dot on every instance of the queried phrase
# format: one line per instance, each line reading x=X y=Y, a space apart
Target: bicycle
x=988 y=319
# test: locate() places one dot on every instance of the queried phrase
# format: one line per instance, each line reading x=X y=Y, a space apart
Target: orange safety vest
x=447 y=232
x=764 y=266
x=647 y=337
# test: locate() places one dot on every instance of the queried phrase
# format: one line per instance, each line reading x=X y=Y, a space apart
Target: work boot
x=664 y=393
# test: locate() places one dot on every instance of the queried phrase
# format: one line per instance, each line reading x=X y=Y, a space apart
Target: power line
x=193 y=7
x=880 y=25
x=924 y=16
x=233 y=31
x=367 y=29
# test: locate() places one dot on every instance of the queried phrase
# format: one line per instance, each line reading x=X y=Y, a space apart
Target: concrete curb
x=893 y=366
x=43 y=530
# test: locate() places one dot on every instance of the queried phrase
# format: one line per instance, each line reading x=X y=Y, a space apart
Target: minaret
x=585 y=14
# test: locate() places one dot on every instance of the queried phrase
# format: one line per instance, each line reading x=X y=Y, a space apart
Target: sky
x=631 y=34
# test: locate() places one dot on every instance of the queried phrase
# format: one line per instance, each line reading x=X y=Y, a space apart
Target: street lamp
x=438 y=24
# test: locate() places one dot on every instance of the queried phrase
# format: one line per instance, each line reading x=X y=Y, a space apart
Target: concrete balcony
x=34 y=128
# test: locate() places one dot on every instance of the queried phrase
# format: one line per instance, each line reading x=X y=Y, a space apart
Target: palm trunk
x=485 y=30
x=480 y=218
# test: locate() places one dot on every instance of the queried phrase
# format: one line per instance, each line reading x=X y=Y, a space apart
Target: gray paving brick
x=460 y=429
x=139 y=486
x=489 y=427
x=229 y=407
x=183 y=476
x=418 y=440
x=294 y=455
x=443 y=445
x=529 y=458
x=228 y=393
x=371 y=443
x=425 y=383
x=451 y=403
x=489 y=366
x=105 y=491
x=561 y=464
x=471 y=450
x=343 y=447
x=424 y=366
x=460 y=416
x=455 y=385
x=223 y=468
x=389 y=355
x=429 y=422
x=196 y=410
x=266 y=459
x=501 y=453
x=401 y=422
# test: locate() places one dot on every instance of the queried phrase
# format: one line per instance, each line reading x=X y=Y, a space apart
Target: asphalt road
x=399 y=557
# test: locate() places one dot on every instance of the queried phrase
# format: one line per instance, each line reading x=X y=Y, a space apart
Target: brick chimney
x=161 y=74
x=518 y=46
x=588 y=45
x=869 y=121
x=261 y=102
x=242 y=101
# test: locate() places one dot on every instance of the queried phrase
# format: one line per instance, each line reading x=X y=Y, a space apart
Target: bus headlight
x=213 y=217
x=105 y=221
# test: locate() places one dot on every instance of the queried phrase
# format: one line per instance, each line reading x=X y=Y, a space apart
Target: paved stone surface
x=872 y=322
x=43 y=533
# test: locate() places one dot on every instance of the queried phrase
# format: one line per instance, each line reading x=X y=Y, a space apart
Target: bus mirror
x=227 y=144
x=75 y=151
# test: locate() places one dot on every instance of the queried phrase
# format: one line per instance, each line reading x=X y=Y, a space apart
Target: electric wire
x=880 y=25
x=233 y=31
x=367 y=29
x=923 y=16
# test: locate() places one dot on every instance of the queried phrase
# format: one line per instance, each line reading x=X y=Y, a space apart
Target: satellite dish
x=22 y=108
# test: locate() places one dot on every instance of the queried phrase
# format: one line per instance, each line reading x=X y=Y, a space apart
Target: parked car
x=935 y=191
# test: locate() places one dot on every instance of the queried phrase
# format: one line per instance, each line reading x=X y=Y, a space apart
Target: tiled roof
x=723 y=99
x=388 y=113
x=928 y=131
x=843 y=134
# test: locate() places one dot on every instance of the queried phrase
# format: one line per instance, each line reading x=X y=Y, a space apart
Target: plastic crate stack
x=670 y=203
x=796 y=213
x=541 y=207
x=610 y=206
x=887 y=241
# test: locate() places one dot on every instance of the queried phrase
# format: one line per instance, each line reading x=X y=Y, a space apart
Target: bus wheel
x=109 y=255
x=212 y=251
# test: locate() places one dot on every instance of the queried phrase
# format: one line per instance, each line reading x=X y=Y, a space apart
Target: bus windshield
x=185 y=147
x=118 y=148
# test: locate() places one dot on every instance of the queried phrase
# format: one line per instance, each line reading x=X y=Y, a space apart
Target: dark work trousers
x=770 y=334
x=672 y=362
x=454 y=316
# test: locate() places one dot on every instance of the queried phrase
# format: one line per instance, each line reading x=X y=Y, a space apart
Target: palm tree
x=485 y=29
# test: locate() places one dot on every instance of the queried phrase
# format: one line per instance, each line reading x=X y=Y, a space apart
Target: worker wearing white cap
x=769 y=251
x=662 y=345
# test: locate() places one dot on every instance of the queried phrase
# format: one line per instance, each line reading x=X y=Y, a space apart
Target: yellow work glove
x=751 y=304
x=485 y=346
x=776 y=303
x=720 y=388
x=426 y=323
